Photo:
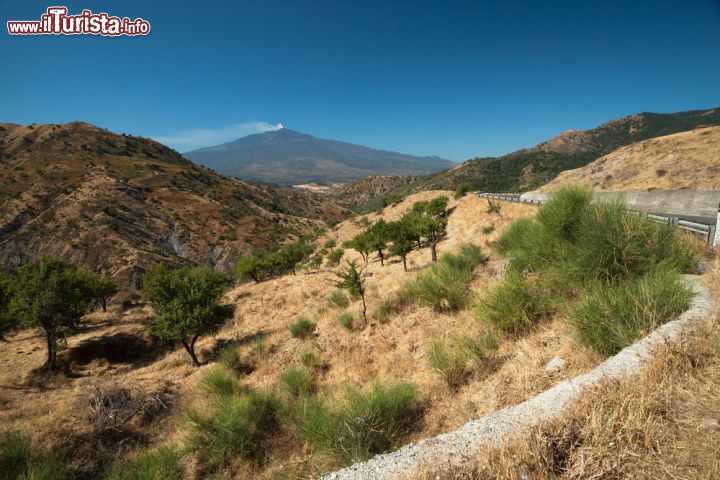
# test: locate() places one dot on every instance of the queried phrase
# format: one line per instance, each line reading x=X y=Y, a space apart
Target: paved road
x=689 y=218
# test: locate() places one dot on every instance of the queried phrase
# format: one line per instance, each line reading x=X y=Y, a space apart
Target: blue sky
x=448 y=78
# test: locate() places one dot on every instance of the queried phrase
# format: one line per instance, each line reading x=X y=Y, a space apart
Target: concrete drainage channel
x=476 y=436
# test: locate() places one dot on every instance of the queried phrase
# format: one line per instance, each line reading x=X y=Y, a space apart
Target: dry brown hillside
x=115 y=203
x=394 y=349
x=367 y=193
x=683 y=160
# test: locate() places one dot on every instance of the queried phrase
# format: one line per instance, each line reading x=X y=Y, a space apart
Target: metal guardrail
x=706 y=230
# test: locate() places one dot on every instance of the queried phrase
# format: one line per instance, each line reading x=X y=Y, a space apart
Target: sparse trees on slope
x=351 y=280
x=53 y=296
x=187 y=302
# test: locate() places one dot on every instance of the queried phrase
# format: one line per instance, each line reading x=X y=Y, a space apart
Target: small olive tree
x=377 y=237
x=253 y=265
x=401 y=235
x=361 y=244
x=351 y=279
x=433 y=223
x=187 y=301
x=103 y=289
x=53 y=296
x=291 y=254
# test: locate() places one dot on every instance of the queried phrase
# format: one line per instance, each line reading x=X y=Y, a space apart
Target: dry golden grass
x=390 y=351
x=682 y=160
x=663 y=425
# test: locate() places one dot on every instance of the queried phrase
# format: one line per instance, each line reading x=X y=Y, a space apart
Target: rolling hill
x=287 y=157
x=529 y=169
x=682 y=160
x=116 y=203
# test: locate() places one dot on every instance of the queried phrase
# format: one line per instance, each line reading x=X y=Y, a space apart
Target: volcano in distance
x=288 y=157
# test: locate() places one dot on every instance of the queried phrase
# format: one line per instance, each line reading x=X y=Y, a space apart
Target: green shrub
x=614 y=244
x=526 y=246
x=219 y=382
x=382 y=312
x=493 y=207
x=444 y=286
x=346 y=320
x=489 y=341
x=333 y=258
x=296 y=381
x=18 y=462
x=582 y=241
x=330 y=244
x=513 y=305
x=309 y=358
x=360 y=424
x=229 y=357
x=611 y=317
x=258 y=344
x=15 y=455
x=163 y=463
x=451 y=365
x=338 y=298
x=488 y=229
x=564 y=212
x=46 y=468
x=462 y=189
x=302 y=328
x=453 y=361
x=239 y=426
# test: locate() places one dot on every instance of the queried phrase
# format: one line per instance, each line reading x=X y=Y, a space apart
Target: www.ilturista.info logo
x=56 y=21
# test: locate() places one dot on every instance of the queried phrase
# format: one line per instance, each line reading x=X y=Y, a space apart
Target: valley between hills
x=315 y=367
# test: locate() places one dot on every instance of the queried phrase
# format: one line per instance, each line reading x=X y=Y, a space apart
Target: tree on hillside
x=412 y=224
x=291 y=254
x=434 y=223
x=377 y=237
x=401 y=235
x=437 y=206
x=351 y=280
x=53 y=296
x=434 y=229
x=7 y=319
x=103 y=288
x=253 y=265
x=187 y=301
x=361 y=244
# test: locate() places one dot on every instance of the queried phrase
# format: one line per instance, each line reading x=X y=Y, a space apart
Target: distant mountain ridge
x=288 y=157
x=531 y=168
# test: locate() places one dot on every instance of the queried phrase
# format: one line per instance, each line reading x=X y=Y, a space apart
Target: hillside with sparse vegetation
x=531 y=168
x=388 y=328
x=116 y=204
